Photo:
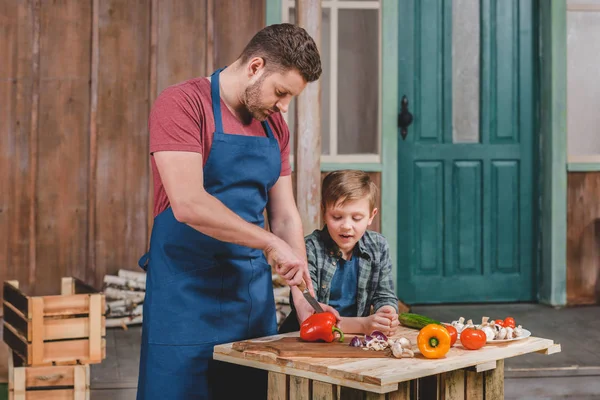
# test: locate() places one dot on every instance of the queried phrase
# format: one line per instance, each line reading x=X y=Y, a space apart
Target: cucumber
x=416 y=321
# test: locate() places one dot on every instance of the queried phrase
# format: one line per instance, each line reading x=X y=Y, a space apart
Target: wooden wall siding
x=235 y=23
x=583 y=238
x=121 y=181
x=60 y=156
x=16 y=173
x=77 y=80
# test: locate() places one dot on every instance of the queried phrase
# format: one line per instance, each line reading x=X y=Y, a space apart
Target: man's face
x=347 y=223
x=269 y=93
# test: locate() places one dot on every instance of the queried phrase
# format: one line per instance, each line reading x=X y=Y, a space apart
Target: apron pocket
x=187 y=309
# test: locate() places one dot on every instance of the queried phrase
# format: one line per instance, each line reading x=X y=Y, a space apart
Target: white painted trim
x=356 y=5
x=583 y=7
x=333 y=83
x=348 y=158
x=351 y=158
x=592 y=158
x=380 y=84
x=334 y=6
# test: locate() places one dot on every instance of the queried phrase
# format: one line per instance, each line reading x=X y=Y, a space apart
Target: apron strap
x=143 y=262
x=215 y=94
x=267 y=129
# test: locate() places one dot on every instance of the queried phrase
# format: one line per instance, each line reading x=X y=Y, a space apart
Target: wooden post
x=95 y=333
x=37 y=335
x=307 y=157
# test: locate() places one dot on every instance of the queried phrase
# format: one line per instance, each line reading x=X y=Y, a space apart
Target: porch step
x=573 y=382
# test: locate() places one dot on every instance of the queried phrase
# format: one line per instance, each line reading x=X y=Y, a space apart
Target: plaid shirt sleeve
x=312 y=255
x=384 y=293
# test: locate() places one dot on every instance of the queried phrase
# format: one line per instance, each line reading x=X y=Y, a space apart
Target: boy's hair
x=284 y=47
x=347 y=185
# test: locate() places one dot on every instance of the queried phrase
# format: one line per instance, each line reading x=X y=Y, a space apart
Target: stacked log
x=124 y=298
x=281 y=292
x=125 y=294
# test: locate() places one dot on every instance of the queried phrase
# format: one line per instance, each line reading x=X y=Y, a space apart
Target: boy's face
x=347 y=224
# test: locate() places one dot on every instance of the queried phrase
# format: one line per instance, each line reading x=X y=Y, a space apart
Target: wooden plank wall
x=583 y=238
x=77 y=80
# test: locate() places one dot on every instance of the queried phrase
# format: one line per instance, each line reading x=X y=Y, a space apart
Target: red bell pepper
x=320 y=326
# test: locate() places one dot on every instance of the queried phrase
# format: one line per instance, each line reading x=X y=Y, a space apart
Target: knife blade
x=311 y=300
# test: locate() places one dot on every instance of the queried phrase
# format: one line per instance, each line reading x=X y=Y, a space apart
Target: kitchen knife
x=311 y=300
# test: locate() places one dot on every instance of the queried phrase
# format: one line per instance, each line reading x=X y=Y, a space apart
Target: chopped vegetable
x=434 y=341
x=321 y=326
x=356 y=342
x=379 y=335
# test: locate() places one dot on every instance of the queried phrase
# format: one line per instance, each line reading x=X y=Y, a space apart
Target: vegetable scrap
x=378 y=341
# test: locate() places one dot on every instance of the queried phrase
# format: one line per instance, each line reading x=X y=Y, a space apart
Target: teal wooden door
x=465 y=167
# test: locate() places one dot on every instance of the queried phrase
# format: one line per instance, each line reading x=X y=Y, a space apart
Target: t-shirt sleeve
x=175 y=123
x=281 y=130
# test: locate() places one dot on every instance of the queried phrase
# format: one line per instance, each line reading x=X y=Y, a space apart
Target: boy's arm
x=384 y=294
x=298 y=303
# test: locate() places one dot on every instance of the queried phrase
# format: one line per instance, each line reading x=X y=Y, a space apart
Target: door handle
x=405 y=118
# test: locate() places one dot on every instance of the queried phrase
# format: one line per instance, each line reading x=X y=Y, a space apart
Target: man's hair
x=283 y=47
x=347 y=185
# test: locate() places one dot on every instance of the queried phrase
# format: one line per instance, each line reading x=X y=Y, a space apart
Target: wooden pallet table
x=462 y=374
x=61 y=329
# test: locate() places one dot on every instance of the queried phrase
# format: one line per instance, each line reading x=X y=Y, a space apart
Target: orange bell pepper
x=433 y=341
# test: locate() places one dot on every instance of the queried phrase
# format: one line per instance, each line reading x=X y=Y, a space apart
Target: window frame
x=370 y=160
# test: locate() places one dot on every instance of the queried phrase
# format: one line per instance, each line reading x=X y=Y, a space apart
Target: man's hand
x=287 y=264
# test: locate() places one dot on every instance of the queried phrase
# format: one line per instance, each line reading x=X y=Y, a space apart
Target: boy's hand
x=390 y=314
x=304 y=310
x=379 y=322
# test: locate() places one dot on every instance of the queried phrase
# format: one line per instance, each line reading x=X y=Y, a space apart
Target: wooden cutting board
x=296 y=347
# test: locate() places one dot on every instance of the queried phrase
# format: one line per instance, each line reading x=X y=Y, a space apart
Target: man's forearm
x=211 y=217
x=290 y=231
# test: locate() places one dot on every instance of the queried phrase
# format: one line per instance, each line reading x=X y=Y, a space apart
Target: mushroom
x=397 y=350
x=459 y=325
x=502 y=333
x=518 y=331
x=404 y=342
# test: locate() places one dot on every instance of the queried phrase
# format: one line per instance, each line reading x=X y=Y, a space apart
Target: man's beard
x=252 y=100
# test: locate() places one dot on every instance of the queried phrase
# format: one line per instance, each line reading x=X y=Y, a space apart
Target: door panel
x=465 y=168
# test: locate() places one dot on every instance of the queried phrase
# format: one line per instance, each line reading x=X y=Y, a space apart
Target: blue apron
x=200 y=291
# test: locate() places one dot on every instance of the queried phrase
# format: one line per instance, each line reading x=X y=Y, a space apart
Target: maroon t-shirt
x=181 y=119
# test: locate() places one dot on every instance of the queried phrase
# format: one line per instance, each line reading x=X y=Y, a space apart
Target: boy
x=350 y=267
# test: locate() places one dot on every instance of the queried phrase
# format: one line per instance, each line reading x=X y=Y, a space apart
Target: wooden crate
x=63 y=382
x=52 y=330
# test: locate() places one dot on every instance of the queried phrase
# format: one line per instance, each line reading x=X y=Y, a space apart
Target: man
x=220 y=156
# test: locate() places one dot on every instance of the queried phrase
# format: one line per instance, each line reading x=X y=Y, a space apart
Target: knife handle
x=302 y=286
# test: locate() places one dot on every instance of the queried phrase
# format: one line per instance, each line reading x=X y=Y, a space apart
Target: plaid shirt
x=375 y=282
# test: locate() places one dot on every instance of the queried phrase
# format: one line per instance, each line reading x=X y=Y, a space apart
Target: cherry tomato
x=509 y=322
x=472 y=339
x=453 y=334
x=499 y=322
